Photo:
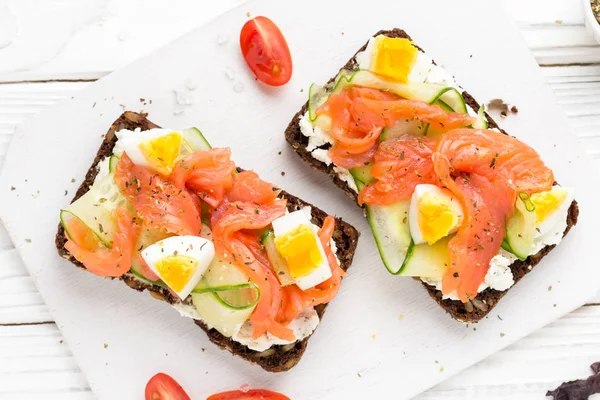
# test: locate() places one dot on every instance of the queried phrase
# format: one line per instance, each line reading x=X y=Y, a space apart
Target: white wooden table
x=63 y=45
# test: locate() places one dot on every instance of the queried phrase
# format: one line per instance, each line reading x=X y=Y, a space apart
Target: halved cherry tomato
x=163 y=387
x=253 y=394
x=266 y=52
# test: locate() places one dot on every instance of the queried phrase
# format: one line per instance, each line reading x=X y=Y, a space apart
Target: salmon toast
x=452 y=200
x=249 y=263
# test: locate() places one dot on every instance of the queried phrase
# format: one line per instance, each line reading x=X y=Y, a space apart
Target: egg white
x=418 y=73
x=558 y=216
x=413 y=212
x=291 y=221
x=129 y=142
x=200 y=249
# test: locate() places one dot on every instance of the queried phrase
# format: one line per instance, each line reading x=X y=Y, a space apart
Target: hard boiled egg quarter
x=551 y=208
x=297 y=242
x=156 y=149
x=180 y=261
x=395 y=58
x=433 y=214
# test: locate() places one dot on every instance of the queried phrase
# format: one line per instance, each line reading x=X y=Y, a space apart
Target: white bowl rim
x=591 y=23
x=589 y=14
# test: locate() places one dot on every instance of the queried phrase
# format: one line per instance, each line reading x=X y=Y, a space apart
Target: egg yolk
x=436 y=218
x=393 y=57
x=547 y=203
x=162 y=151
x=300 y=250
x=176 y=271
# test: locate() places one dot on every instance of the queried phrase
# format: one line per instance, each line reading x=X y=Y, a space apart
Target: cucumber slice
x=226 y=320
x=450 y=100
x=481 y=122
x=226 y=281
x=112 y=163
x=323 y=122
x=224 y=275
x=389 y=225
x=317 y=96
x=362 y=175
x=444 y=106
x=520 y=228
x=277 y=262
x=224 y=297
x=147 y=237
x=427 y=92
x=241 y=296
x=343 y=79
x=195 y=139
x=506 y=246
x=403 y=127
x=427 y=261
x=137 y=271
x=95 y=208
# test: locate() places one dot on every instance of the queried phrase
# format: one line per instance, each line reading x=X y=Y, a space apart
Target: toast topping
x=178 y=215
x=395 y=132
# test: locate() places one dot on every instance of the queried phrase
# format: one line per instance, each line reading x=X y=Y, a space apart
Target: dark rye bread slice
x=478 y=308
x=276 y=359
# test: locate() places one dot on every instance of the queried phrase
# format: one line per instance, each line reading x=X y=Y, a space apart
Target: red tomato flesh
x=254 y=394
x=266 y=52
x=163 y=387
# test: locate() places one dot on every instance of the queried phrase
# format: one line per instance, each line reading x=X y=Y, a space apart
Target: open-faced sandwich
x=451 y=199
x=252 y=265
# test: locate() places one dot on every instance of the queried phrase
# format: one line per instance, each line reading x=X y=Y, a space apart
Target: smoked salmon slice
x=239 y=216
x=358 y=116
x=115 y=261
x=399 y=165
x=485 y=169
x=354 y=136
x=392 y=111
x=247 y=186
x=208 y=173
x=158 y=202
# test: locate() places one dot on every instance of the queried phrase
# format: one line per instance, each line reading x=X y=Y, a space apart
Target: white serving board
x=382 y=334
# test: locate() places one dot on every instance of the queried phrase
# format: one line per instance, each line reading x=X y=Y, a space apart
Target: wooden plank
x=552 y=35
x=555 y=44
x=20 y=302
x=19 y=102
x=107 y=44
x=544 y=11
x=107 y=36
x=35 y=313
x=12 y=266
x=36 y=363
x=561 y=351
x=46 y=381
x=61 y=394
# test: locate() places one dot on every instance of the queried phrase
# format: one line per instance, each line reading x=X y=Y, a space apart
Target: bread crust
x=472 y=311
x=276 y=359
